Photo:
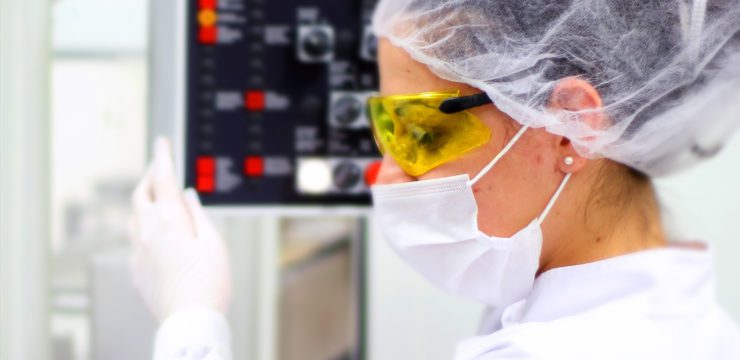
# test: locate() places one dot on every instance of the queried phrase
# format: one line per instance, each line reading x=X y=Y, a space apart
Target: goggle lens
x=420 y=137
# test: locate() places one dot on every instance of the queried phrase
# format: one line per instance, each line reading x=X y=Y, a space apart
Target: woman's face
x=517 y=188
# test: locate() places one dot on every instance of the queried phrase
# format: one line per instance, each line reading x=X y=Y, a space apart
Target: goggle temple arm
x=455 y=105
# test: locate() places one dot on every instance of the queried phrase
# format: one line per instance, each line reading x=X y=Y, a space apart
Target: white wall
x=704 y=204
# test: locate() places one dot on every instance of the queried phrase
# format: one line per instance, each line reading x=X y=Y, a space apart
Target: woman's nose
x=391 y=173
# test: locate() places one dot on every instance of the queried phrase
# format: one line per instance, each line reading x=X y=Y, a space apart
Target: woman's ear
x=579 y=96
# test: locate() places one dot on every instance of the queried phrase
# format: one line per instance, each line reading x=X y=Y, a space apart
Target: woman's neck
x=603 y=230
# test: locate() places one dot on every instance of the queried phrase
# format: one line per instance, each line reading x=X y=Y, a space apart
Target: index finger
x=142 y=196
x=164 y=181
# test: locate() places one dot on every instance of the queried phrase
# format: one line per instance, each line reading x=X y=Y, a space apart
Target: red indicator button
x=205 y=184
x=254 y=100
x=254 y=166
x=208 y=35
x=205 y=166
x=371 y=172
x=207 y=4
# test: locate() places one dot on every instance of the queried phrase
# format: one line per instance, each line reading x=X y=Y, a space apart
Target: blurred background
x=87 y=84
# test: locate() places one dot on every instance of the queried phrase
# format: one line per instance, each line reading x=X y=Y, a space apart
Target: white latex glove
x=179 y=261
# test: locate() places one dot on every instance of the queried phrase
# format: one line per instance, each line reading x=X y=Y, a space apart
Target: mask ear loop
x=503 y=152
x=498 y=157
x=554 y=198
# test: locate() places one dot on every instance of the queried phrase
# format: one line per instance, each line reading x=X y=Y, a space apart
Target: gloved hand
x=179 y=261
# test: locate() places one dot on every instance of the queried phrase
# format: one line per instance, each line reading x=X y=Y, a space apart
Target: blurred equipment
x=274 y=102
x=265 y=103
x=317 y=314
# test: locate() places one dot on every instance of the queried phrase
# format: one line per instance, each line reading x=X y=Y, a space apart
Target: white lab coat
x=654 y=304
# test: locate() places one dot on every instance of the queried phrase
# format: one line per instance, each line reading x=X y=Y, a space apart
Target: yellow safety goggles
x=423 y=131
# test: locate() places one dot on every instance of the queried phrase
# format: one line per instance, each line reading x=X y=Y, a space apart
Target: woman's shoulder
x=612 y=335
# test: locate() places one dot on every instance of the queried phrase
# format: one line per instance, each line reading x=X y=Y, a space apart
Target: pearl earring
x=568 y=160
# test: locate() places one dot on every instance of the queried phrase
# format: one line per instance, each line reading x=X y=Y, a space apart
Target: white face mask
x=432 y=225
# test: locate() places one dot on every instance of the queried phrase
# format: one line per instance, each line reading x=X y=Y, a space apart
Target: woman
x=519 y=140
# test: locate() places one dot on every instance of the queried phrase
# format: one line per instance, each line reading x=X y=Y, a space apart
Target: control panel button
x=207 y=18
x=254 y=100
x=315 y=43
x=347 y=109
x=254 y=166
x=313 y=176
x=205 y=184
x=371 y=172
x=205 y=166
x=207 y=4
x=347 y=175
x=208 y=35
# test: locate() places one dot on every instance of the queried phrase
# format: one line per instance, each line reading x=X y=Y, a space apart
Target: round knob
x=317 y=43
x=347 y=109
x=346 y=175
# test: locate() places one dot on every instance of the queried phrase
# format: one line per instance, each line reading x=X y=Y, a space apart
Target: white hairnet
x=668 y=71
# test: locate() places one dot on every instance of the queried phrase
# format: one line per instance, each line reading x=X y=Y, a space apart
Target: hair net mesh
x=668 y=71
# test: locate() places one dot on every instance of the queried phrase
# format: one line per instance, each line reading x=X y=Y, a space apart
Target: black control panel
x=275 y=102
